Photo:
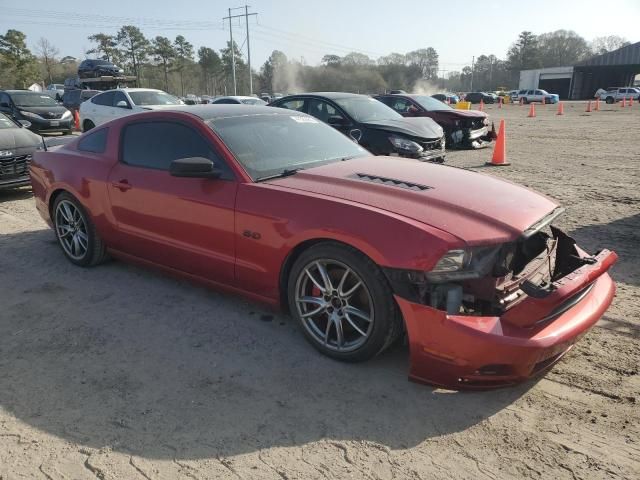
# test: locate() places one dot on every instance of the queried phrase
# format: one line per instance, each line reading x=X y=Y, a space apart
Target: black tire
x=387 y=321
x=87 y=125
x=67 y=132
x=525 y=100
x=610 y=100
x=96 y=251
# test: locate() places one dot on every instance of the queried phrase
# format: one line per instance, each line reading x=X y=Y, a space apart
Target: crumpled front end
x=526 y=305
x=471 y=133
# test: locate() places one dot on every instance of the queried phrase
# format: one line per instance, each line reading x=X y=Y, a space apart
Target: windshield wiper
x=284 y=173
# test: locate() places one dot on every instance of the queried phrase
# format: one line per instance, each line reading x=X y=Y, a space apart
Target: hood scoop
x=390 y=182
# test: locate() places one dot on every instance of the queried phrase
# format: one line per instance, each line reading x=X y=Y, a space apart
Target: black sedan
x=17 y=145
x=40 y=110
x=372 y=124
x=93 y=68
x=475 y=97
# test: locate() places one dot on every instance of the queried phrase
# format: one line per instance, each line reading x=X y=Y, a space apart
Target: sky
x=307 y=30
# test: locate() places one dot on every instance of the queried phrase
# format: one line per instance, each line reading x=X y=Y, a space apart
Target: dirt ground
x=119 y=372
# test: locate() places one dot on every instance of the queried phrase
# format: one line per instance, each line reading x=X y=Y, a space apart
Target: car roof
x=329 y=95
x=212 y=112
x=238 y=97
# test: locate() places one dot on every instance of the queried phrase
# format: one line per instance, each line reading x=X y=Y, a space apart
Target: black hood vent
x=390 y=181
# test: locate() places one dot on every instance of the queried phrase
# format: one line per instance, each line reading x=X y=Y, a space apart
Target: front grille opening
x=390 y=182
x=14 y=166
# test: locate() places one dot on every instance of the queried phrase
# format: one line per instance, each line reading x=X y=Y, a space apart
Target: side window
x=401 y=105
x=156 y=144
x=119 y=97
x=322 y=110
x=293 y=105
x=104 y=99
x=4 y=98
x=94 y=142
x=227 y=101
x=539 y=92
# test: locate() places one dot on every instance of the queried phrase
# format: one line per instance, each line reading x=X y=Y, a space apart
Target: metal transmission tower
x=246 y=16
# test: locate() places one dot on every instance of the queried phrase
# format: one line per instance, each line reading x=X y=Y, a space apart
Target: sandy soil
x=119 y=372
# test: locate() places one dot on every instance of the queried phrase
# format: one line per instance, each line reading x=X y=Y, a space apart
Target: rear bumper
x=474 y=352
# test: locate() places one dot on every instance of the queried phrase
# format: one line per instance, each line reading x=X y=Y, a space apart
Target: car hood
x=453 y=113
x=18 y=140
x=476 y=208
x=56 y=109
x=414 y=127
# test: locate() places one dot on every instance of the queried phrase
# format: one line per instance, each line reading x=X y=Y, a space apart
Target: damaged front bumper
x=463 y=351
x=473 y=138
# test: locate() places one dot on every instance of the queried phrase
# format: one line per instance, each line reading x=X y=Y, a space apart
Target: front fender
x=272 y=221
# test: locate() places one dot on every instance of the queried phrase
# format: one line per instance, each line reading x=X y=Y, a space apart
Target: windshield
x=253 y=101
x=153 y=98
x=431 y=104
x=31 y=99
x=269 y=144
x=6 y=122
x=365 y=109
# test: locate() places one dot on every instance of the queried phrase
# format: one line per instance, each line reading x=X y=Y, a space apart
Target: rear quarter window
x=94 y=142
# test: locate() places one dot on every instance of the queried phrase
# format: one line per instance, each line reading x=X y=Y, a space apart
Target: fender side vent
x=390 y=182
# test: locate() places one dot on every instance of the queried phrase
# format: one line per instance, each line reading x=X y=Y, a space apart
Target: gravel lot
x=120 y=372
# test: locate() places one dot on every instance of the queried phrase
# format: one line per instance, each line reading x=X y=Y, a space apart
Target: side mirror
x=338 y=121
x=122 y=104
x=25 y=123
x=194 y=167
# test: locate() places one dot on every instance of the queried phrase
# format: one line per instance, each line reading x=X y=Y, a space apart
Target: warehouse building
x=580 y=81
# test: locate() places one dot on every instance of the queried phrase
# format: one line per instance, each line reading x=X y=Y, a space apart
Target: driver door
x=183 y=223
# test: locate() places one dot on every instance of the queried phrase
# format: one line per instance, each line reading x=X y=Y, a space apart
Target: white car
x=120 y=102
x=238 y=100
x=615 y=94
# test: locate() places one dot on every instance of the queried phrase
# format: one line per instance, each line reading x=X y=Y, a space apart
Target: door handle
x=123 y=185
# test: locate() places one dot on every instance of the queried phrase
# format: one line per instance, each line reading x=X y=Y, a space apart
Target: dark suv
x=92 y=68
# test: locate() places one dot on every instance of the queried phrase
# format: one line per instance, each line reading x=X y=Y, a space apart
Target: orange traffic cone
x=481 y=108
x=499 y=102
x=560 y=108
x=499 y=158
x=588 y=110
x=532 y=110
x=76 y=120
x=597 y=109
x=630 y=102
x=544 y=102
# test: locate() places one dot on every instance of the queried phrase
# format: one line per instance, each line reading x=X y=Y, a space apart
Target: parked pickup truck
x=529 y=96
x=615 y=94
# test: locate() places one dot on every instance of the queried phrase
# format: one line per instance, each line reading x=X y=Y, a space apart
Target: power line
x=231 y=46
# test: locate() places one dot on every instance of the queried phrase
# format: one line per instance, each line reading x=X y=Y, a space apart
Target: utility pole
x=473 y=59
x=246 y=16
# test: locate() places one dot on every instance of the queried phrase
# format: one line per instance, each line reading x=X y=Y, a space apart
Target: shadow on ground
x=157 y=367
x=15 y=194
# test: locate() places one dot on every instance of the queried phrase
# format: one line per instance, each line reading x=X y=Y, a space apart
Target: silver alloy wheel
x=335 y=305
x=71 y=230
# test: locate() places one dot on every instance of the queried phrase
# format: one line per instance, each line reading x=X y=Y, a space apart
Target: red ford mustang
x=280 y=207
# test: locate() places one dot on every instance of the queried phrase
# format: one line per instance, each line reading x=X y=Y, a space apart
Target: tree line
x=173 y=65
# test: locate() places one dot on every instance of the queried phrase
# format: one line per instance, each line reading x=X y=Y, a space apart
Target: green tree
x=227 y=65
x=426 y=59
x=211 y=67
x=275 y=65
x=163 y=53
x=331 y=60
x=562 y=47
x=524 y=54
x=18 y=65
x=184 y=57
x=600 y=45
x=106 y=46
x=134 y=46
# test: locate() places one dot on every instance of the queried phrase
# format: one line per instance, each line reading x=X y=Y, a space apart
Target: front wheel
x=87 y=125
x=343 y=302
x=610 y=100
x=76 y=233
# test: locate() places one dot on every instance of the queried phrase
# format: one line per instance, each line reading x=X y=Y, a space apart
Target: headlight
x=30 y=114
x=66 y=115
x=464 y=264
x=405 y=144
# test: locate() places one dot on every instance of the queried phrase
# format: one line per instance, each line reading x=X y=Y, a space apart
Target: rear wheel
x=609 y=100
x=343 y=302
x=87 y=125
x=76 y=233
